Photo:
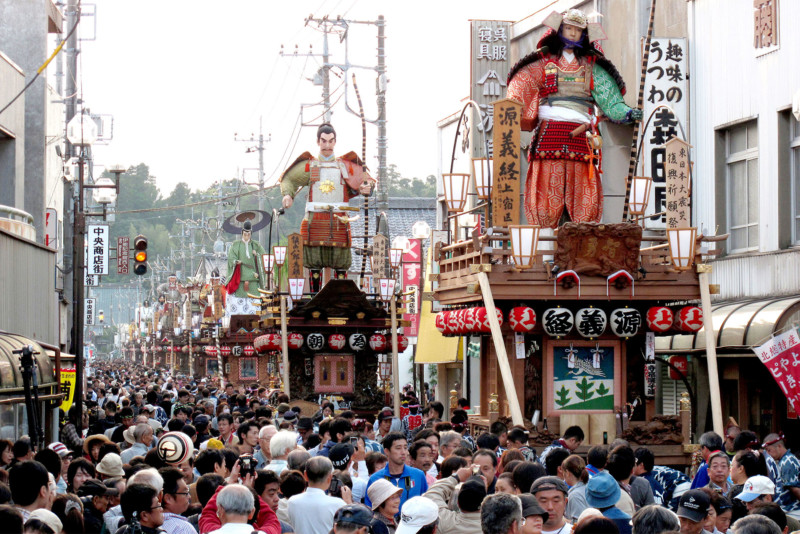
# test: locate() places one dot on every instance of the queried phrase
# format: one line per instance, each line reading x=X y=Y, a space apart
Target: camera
x=354 y=441
x=476 y=470
x=247 y=464
x=335 y=489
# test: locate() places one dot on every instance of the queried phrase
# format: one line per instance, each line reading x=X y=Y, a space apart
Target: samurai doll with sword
x=566 y=87
x=332 y=182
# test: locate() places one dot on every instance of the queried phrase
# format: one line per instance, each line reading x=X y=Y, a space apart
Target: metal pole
x=285 y=347
x=326 y=73
x=78 y=288
x=383 y=187
x=263 y=239
x=395 y=363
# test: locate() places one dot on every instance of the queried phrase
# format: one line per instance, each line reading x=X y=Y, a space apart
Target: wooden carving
x=598 y=249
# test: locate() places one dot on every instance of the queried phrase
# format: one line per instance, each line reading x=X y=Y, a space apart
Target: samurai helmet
x=576 y=17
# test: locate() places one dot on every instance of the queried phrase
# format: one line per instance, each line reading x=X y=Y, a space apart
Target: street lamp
x=421 y=230
x=455 y=188
x=524 y=241
x=296 y=288
x=387 y=286
x=640 y=194
x=395 y=257
x=280 y=255
x=682 y=242
x=481 y=169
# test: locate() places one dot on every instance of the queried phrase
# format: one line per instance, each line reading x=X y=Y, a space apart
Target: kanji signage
x=412 y=271
x=665 y=84
x=89 y=311
x=380 y=260
x=123 y=247
x=506 y=163
x=67 y=380
x=97 y=238
x=781 y=355
x=765 y=24
x=489 y=68
x=294 y=255
x=558 y=322
x=89 y=279
x=676 y=170
x=590 y=322
x=625 y=322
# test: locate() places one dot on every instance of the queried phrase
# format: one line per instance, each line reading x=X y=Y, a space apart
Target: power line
x=199 y=203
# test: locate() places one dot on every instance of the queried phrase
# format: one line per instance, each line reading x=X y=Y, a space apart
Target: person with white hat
x=45 y=517
x=420 y=515
x=757 y=490
x=385 y=498
x=110 y=466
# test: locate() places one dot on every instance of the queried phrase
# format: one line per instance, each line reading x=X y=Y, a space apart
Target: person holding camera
x=472 y=491
x=312 y=511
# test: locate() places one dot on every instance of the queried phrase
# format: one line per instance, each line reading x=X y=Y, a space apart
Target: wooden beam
x=500 y=349
x=711 y=349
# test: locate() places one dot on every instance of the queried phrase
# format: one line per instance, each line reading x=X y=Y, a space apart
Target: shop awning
x=738 y=326
x=432 y=346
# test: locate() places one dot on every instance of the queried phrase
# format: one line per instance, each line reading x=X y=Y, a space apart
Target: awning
x=432 y=346
x=738 y=326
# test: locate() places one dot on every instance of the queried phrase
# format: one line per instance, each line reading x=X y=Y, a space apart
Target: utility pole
x=260 y=147
x=383 y=187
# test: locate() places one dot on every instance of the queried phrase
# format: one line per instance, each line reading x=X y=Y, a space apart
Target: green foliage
x=584 y=389
x=433 y=373
x=563 y=397
x=602 y=390
x=410 y=187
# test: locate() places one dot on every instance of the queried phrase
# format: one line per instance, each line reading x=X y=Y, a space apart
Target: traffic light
x=140 y=255
x=101 y=317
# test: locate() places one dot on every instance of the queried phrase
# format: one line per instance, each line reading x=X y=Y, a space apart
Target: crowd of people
x=155 y=453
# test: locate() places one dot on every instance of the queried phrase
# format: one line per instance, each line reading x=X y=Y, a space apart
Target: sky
x=182 y=78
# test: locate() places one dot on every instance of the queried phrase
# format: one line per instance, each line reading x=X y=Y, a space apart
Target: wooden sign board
x=506 y=170
x=294 y=256
x=598 y=249
x=380 y=260
x=676 y=171
x=489 y=66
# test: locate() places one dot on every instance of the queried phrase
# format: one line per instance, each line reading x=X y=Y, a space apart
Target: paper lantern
x=185 y=349
x=557 y=322
x=402 y=343
x=263 y=343
x=225 y=350
x=377 y=342
x=452 y=326
x=690 y=319
x=358 y=341
x=174 y=448
x=659 y=318
x=336 y=341
x=315 y=341
x=211 y=350
x=590 y=322
x=295 y=341
x=522 y=319
x=249 y=350
x=469 y=321
x=625 y=322
x=440 y=322
x=460 y=321
x=482 y=325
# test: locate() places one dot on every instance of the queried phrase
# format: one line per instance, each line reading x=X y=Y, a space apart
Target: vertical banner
x=67 y=380
x=781 y=355
x=90 y=280
x=294 y=256
x=97 y=238
x=412 y=272
x=123 y=258
x=51 y=228
x=89 y=311
x=506 y=171
x=380 y=260
x=489 y=66
x=676 y=169
x=665 y=84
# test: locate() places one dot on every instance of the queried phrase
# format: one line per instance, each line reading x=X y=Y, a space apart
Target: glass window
x=795 y=168
x=741 y=177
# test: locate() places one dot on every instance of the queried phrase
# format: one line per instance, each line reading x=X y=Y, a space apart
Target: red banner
x=412 y=271
x=781 y=355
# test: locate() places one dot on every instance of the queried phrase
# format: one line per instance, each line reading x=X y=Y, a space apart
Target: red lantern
x=402 y=343
x=659 y=318
x=452 y=322
x=336 y=341
x=440 y=322
x=482 y=320
x=225 y=350
x=261 y=343
x=690 y=319
x=295 y=341
x=211 y=350
x=274 y=341
x=522 y=319
x=469 y=321
x=377 y=342
x=682 y=364
x=249 y=350
x=459 y=322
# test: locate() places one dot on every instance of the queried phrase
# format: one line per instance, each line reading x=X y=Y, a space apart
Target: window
x=794 y=147
x=741 y=185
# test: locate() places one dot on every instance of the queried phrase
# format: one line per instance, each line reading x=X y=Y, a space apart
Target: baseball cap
x=149 y=408
x=531 y=506
x=380 y=490
x=549 y=483
x=756 y=486
x=48 y=518
x=214 y=443
x=417 y=512
x=694 y=505
x=386 y=414
x=358 y=514
x=602 y=491
x=340 y=454
x=94 y=488
x=59 y=448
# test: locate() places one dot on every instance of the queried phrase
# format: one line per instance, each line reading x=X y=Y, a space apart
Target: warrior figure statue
x=244 y=268
x=332 y=183
x=561 y=85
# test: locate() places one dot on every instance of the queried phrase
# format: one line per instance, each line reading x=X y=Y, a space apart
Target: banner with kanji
x=781 y=355
x=67 y=380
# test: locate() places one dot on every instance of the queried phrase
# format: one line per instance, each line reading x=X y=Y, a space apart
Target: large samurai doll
x=567 y=87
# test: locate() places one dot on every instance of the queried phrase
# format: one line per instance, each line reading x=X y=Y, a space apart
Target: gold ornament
x=327 y=186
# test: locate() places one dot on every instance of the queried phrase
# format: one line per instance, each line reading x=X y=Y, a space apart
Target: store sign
x=676 y=170
x=506 y=163
x=490 y=40
x=781 y=355
x=412 y=273
x=97 y=238
x=123 y=259
x=665 y=84
x=89 y=311
x=89 y=280
x=68 y=381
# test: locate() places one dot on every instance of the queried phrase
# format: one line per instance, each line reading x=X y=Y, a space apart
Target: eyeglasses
x=187 y=493
x=158 y=507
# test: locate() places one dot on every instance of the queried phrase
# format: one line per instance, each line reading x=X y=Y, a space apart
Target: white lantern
x=640 y=194
x=524 y=241
x=481 y=169
x=296 y=287
x=682 y=243
x=625 y=322
x=358 y=341
x=456 y=186
x=590 y=322
x=280 y=255
x=557 y=322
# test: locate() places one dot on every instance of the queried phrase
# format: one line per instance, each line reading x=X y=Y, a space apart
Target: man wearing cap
x=603 y=492
x=48 y=518
x=94 y=495
x=342 y=456
x=419 y=515
x=789 y=466
x=757 y=490
x=693 y=510
x=352 y=519
x=551 y=492
x=467 y=520
x=110 y=466
x=411 y=479
x=304 y=427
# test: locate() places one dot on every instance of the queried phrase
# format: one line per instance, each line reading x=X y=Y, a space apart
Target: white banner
x=97 y=238
x=89 y=311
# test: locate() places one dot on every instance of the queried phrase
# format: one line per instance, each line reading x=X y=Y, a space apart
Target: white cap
x=755 y=487
x=417 y=512
x=48 y=518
